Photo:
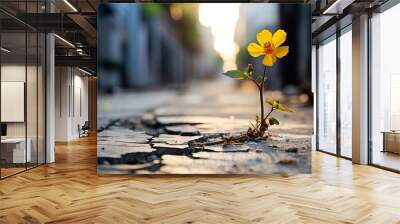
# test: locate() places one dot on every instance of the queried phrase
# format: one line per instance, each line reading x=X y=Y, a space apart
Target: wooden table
x=13 y=150
x=391 y=141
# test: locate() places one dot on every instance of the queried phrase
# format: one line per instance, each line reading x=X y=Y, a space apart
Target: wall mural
x=209 y=88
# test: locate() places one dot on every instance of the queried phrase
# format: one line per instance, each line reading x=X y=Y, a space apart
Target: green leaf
x=236 y=74
x=273 y=121
x=258 y=118
x=259 y=80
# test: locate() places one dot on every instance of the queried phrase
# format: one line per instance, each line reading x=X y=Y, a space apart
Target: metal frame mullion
x=369 y=77
x=44 y=79
x=37 y=91
x=26 y=86
x=317 y=97
x=338 y=93
x=0 y=92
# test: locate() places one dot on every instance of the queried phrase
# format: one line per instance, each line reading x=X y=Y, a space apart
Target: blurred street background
x=161 y=85
x=166 y=46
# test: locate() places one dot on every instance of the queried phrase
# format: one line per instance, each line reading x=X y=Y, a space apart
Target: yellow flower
x=270 y=46
x=276 y=105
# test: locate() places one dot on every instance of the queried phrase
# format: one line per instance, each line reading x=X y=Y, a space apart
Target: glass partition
x=41 y=96
x=326 y=101
x=22 y=77
x=31 y=99
x=14 y=145
x=346 y=93
x=385 y=89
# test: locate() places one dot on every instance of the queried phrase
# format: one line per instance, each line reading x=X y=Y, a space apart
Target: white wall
x=71 y=94
x=12 y=73
x=62 y=81
x=33 y=126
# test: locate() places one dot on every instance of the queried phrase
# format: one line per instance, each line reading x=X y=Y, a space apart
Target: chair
x=84 y=130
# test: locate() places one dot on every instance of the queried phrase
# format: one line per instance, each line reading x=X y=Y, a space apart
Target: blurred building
x=143 y=46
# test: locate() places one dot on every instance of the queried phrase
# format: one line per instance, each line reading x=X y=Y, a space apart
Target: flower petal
x=264 y=36
x=269 y=60
x=271 y=102
x=284 y=108
x=278 y=38
x=281 y=52
x=255 y=50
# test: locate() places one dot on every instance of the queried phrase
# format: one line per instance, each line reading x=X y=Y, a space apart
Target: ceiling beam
x=81 y=61
x=84 y=24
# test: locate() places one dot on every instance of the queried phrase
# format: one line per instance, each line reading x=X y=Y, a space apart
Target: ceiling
x=74 y=21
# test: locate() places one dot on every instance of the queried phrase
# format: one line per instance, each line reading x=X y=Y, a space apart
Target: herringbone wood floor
x=70 y=191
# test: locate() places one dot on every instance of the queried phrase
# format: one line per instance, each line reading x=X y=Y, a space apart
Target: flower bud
x=250 y=69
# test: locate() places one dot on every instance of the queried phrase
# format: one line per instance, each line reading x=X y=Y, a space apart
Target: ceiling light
x=65 y=41
x=70 y=5
x=84 y=71
x=337 y=7
x=329 y=9
x=5 y=50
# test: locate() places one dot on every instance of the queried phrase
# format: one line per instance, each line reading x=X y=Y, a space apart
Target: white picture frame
x=12 y=101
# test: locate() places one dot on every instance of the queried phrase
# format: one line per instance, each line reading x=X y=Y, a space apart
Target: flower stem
x=272 y=109
x=262 y=94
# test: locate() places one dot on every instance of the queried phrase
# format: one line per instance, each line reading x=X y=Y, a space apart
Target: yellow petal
x=255 y=50
x=271 y=102
x=281 y=52
x=284 y=108
x=278 y=38
x=264 y=36
x=269 y=60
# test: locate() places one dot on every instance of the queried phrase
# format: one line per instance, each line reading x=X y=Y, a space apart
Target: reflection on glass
x=385 y=84
x=22 y=92
x=14 y=153
x=41 y=99
x=345 y=94
x=31 y=97
x=327 y=96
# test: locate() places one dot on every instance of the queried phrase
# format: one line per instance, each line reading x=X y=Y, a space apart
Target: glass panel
x=13 y=86
x=327 y=96
x=31 y=98
x=32 y=83
x=346 y=94
x=385 y=84
x=23 y=90
x=41 y=99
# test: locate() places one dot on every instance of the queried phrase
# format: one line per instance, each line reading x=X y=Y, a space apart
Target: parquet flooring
x=70 y=191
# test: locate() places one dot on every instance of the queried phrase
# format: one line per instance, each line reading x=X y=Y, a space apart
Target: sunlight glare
x=222 y=19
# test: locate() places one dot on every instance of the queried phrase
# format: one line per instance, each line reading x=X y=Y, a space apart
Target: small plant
x=270 y=46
